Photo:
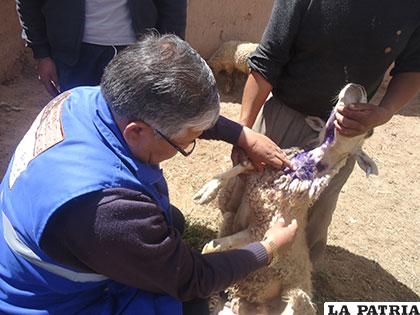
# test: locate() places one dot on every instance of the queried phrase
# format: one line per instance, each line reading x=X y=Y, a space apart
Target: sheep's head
x=334 y=148
x=334 y=141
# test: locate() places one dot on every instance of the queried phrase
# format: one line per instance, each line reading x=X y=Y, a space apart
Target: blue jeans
x=89 y=68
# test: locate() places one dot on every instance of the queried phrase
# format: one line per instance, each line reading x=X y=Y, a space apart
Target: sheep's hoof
x=299 y=302
x=208 y=192
x=211 y=247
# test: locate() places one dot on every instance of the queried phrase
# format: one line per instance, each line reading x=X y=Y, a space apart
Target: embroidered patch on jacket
x=45 y=132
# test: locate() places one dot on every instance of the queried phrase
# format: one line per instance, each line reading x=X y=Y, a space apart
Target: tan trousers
x=288 y=128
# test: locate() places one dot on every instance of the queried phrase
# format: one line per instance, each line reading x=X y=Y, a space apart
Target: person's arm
x=256 y=91
x=271 y=56
x=267 y=64
x=257 y=147
x=122 y=234
x=34 y=30
x=404 y=85
x=225 y=130
x=359 y=118
x=35 y=34
x=172 y=16
x=401 y=89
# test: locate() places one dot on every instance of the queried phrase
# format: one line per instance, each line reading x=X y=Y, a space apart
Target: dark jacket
x=149 y=254
x=54 y=28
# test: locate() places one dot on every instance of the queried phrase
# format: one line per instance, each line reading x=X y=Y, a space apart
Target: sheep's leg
x=209 y=191
x=298 y=302
x=228 y=242
x=227 y=224
x=231 y=195
x=229 y=79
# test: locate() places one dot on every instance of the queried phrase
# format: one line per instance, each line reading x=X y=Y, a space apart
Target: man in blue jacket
x=74 y=40
x=87 y=225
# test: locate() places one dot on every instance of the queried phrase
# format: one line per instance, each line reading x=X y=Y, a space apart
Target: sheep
x=272 y=194
x=230 y=56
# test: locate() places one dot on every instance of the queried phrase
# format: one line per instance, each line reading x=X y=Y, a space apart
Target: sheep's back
x=241 y=55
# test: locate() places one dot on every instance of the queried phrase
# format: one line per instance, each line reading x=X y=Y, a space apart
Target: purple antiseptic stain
x=330 y=129
x=329 y=134
x=304 y=167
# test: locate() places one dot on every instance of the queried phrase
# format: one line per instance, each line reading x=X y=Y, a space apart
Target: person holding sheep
x=309 y=51
x=87 y=225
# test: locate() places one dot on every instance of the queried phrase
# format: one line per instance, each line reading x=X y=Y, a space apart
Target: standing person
x=309 y=51
x=87 y=225
x=74 y=40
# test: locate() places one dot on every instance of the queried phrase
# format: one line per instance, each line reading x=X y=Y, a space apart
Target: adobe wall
x=11 y=45
x=211 y=22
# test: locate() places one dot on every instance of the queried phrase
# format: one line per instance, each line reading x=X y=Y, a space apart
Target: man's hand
x=47 y=74
x=357 y=119
x=279 y=238
x=260 y=150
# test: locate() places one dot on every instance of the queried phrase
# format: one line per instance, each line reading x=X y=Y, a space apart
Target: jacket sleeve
x=225 y=129
x=172 y=16
x=34 y=30
x=276 y=46
x=123 y=234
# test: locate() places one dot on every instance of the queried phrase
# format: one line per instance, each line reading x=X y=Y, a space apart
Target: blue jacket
x=73 y=147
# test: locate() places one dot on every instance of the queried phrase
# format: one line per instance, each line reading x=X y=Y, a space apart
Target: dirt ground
x=373 y=252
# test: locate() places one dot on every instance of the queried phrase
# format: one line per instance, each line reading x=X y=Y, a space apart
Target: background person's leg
x=320 y=214
x=89 y=68
x=285 y=126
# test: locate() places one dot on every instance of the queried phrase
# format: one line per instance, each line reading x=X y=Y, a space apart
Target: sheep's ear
x=366 y=163
x=315 y=123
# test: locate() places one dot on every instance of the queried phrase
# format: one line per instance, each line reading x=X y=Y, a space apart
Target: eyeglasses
x=185 y=152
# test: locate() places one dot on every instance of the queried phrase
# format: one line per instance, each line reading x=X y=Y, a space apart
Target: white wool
x=231 y=56
x=265 y=198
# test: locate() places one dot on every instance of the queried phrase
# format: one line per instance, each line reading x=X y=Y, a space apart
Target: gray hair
x=163 y=82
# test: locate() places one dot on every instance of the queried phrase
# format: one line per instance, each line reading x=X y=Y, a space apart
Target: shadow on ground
x=344 y=276
x=340 y=276
x=197 y=234
x=412 y=109
x=235 y=95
